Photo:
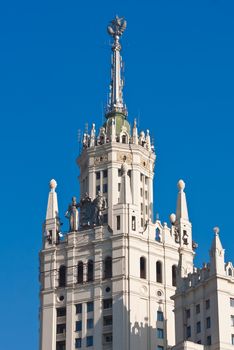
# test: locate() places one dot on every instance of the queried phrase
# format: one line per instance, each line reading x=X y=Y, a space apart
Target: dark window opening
x=159 y=272
x=124 y=139
x=108 y=267
x=61 y=328
x=107 y=303
x=107 y=320
x=62 y=276
x=90 y=306
x=61 y=345
x=79 y=308
x=78 y=343
x=90 y=271
x=80 y=273
x=174 y=268
x=158 y=235
x=105 y=173
x=142 y=267
x=61 y=311
x=78 y=326
x=118 y=222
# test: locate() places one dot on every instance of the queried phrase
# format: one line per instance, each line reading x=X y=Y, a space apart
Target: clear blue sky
x=54 y=76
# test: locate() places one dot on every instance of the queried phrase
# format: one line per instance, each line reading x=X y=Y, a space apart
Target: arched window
x=108 y=267
x=124 y=139
x=142 y=267
x=80 y=272
x=173 y=272
x=62 y=276
x=159 y=271
x=157 y=235
x=90 y=271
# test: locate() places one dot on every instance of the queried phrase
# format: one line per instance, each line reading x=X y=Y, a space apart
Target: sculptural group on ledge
x=91 y=212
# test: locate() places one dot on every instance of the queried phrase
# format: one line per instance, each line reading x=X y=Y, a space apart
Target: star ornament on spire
x=117 y=26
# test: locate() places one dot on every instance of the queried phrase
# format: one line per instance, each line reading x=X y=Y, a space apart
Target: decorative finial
x=116 y=28
x=53 y=185
x=181 y=185
x=216 y=230
x=172 y=218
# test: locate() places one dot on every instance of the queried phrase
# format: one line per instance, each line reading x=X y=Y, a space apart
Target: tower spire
x=116 y=28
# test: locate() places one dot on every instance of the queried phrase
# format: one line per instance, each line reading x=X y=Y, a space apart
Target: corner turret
x=52 y=221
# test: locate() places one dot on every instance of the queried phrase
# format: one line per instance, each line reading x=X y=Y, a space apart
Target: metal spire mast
x=116 y=28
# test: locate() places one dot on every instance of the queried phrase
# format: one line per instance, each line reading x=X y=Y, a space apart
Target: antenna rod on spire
x=116 y=28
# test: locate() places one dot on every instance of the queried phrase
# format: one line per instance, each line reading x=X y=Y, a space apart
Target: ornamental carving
x=145 y=163
x=102 y=159
x=124 y=157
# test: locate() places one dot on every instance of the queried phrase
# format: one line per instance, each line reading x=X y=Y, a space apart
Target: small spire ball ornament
x=216 y=230
x=181 y=185
x=53 y=184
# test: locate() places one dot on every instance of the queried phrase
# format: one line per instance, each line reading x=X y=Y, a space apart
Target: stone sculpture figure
x=73 y=215
x=99 y=206
x=86 y=211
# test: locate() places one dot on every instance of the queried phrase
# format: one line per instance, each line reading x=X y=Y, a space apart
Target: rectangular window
x=89 y=341
x=146 y=194
x=118 y=222
x=98 y=175
x=159 y=316
x=141 y=177
x=133 y=223
x=107 y=338
x=107 y=303
x=105 y=188
x=90 y=306
x=160 y=333
x=208 y=340
x=107 y=320
x=198 y=309
x=142 y=207
x=78 y=343
x=232 y=320
x=79 y=308
x=61 y=345
x=199 y=327
x=188 y=332
x=98 y=189
x=78 y=326
x=61 y=328
x=142 y=222
x=187 y=313
x=119 y=186
x=146 y=180
x=119 y=172
x=105 y=218
x=61 y=311
x=89 y=323
x=207 y=304
x=146 y=209
x=141 y=191
x=159 y=347
x=232 y=302
x=232 y=339
x=208 y=322
x=105 y=173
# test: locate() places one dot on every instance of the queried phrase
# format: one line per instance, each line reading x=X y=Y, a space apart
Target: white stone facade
x=109 y=283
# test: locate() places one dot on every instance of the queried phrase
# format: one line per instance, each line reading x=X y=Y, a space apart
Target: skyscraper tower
x=107 y=283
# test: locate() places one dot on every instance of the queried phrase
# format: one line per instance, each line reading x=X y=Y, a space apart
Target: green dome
x=120 y=121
